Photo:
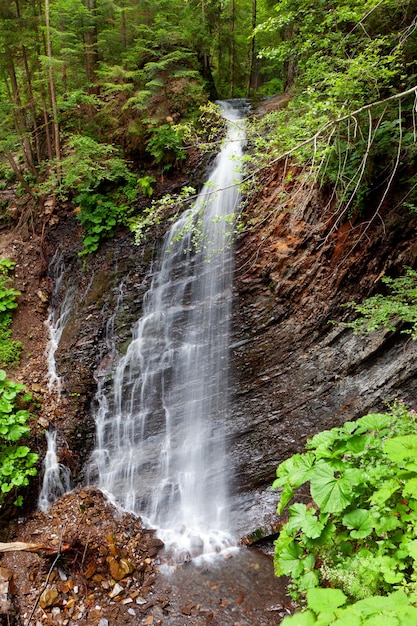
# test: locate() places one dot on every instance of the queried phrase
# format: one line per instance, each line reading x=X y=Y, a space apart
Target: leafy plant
x=385 y=311
x=167 y=206
x=17 y=462
x=99 y=216
x=357 y=529
x=330 y=606
x=88 y=164
x=9 y=349
x=100 y=213
x=166 y=146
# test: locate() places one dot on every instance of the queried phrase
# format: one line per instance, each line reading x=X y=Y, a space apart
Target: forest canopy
x=115 y=83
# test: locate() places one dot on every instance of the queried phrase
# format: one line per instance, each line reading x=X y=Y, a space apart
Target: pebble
x=117 y=590
x=48 y=597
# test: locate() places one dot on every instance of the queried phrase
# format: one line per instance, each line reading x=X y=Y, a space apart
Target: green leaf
x=381 y=495
x=358 y=443
x=286 y=495
x=306 y=618
x=294 y=470
x=373 y=421
x=320 y=600
x=305 y=519
x=360 y=522
x=288 y=560
x=401 y=448
x=324 y=439
x=21 y=452
x=331 y=493
x=412 y=549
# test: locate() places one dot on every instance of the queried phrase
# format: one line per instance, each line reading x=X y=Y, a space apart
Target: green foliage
x=17 y=462
x=357 y=531
x=165 y=208
x=166 y=146
x=386 y=311
x=87 y=165
x=341 y=57
x=100 y=213
x=9 y=349
x=329 y=606
x=99 y=216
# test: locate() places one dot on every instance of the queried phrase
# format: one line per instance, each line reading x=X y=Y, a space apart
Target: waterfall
x=57 y=477
x=160 y=436
x=57 y=318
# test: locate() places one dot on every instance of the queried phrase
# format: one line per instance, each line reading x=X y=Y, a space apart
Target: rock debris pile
x=97 y=567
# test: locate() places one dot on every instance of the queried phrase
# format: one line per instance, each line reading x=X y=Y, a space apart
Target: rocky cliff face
x=295 y=373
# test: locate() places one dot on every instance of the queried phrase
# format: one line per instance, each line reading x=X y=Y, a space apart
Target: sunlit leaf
x=320 y=600
x=400 y=448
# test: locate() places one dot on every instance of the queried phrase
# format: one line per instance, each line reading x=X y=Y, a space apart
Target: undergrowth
x=10 y=350
x=354 y=523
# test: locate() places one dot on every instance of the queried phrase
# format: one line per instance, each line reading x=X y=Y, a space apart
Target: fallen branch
x=39 y=548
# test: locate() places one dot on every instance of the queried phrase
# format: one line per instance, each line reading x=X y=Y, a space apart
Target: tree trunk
x=51 y=83
x=91 y=50
x=251 y=50
x=123 y=26
x=19 y=115
x=17 y=172
x=232 y=50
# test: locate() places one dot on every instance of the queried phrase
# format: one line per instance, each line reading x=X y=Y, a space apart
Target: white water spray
x=56 y=478
x=57 y=318
x=160 y=432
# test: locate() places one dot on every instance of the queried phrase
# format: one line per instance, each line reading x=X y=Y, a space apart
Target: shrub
x=9 y=349
x=355 y=526
x=17 y=462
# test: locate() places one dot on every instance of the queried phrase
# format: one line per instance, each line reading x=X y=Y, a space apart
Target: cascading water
x=57 y=318
x=160 y=432
x=57 y=477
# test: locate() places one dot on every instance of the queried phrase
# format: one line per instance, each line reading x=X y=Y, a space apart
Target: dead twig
x=39 y=548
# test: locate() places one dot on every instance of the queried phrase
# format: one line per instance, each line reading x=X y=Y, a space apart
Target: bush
x=9 y=349
x=357 y=529
x=17 y=462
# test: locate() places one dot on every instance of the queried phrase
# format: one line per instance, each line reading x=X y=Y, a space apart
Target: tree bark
x=232 y=49
x=251 y=50
x=51 y=82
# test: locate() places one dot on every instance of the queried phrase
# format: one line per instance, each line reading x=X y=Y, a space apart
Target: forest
x=105 y=103
x=122 y=85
